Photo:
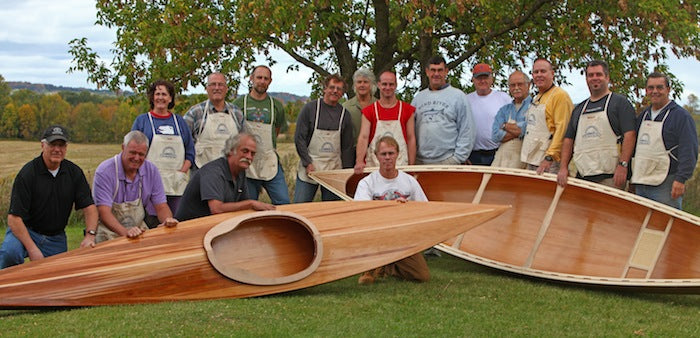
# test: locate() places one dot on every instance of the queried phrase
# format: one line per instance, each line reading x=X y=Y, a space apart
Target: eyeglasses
x=334 y=88
x=657 y=87
x=517 y=84
x=216 y=84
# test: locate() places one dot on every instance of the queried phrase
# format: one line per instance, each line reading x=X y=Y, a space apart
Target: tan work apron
x=508 y=153
x=537 y=136
x=128 y=213
x=265 y=162
x=214 y=130
x=651 y=160
x=167 y=152
x=387 y=128
x=595 y=145
x=324 y=148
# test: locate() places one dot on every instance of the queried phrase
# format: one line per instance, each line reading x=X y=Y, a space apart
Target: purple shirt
x=105 y=182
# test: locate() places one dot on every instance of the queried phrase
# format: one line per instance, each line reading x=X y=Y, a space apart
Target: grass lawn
x=462 y=299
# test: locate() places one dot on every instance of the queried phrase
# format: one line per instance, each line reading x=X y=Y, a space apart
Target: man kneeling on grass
x=390 y=183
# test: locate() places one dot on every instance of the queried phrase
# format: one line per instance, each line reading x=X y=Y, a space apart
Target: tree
x=27 y=122
x=183 y=40
x=52 y=109
x=693 y=106
x=9 y=123
x=4 y=94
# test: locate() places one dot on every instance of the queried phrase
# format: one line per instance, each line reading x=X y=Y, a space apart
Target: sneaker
x=366 y=278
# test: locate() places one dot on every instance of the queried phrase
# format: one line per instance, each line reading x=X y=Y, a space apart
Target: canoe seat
x=264 y=248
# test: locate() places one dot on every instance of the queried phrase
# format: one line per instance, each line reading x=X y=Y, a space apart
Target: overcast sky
x=34 y=36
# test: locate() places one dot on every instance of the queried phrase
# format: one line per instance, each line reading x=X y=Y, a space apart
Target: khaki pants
x=412 y=268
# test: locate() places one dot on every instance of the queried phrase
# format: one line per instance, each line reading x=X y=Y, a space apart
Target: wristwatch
x=90 y=232
x=623 y=163
x=549 y=158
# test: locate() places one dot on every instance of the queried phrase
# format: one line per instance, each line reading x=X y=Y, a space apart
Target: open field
x=462 y=299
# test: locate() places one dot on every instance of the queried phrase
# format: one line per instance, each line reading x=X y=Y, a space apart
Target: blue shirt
x=502 y=115
x=143 y=124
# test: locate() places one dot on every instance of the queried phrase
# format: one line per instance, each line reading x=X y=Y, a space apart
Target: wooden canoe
x=240 y=254
x=585 y=233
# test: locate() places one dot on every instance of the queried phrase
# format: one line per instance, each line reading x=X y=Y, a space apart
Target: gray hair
x=366 y=73
x=234 y=141
x=527 y=78
x=216 y=73
x=135 y=136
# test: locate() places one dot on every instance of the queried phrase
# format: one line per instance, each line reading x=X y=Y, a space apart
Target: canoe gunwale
x=247 y=277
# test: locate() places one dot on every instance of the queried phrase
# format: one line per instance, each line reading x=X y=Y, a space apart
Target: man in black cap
x=43 y=194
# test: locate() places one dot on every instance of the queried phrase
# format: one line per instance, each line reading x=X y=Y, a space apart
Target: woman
x=171 y=147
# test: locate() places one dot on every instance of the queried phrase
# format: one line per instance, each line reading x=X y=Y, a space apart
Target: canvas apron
x=167 y=152
x=265 y=162
x=324 y=148
x=214 y=130
x=595 y=145
x=387 y=128
x=128 y=213
x=651 y=160
x=508 y=153
x=537 y=136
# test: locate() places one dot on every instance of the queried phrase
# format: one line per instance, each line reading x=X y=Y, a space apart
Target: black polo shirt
x=44 y=202
x=211 y=182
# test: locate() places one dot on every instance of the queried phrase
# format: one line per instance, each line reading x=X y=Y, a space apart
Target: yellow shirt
x=557 y=112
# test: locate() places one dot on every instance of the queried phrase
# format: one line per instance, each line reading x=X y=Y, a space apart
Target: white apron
x=324 y=148
x=167 y=152
x=595 y=146
x=537 y=136
x=508 y=153
x=387 y=128
x=214 y=130
x=651 y=160
x=128 y=213
x=265 y=162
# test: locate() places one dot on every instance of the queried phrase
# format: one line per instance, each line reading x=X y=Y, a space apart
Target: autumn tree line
x=91 y=118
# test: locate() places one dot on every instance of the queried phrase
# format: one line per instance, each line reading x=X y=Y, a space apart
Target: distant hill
x=43 y=88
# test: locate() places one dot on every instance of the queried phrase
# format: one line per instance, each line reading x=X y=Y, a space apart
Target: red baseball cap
x=481 y=69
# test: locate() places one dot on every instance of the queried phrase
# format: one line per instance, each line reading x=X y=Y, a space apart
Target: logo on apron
x=222 y=129
x=168 y=152
x=327 y=148
x=591 y=132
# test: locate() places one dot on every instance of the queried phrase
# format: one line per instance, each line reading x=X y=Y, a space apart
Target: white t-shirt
x=376 y=187
x=484 y=109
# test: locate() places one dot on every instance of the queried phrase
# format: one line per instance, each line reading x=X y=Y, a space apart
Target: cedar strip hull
x=170 y=264
x=586 y=234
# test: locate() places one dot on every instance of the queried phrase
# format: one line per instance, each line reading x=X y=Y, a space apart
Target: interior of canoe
x=265 y=250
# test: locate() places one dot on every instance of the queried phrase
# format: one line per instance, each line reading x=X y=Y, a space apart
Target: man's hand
x=563 y=176
x=88 y=242
x=544 y=167
x=133 y=232
x=35 y=254
x=359 y=167
x=169 y=222
x=310 y=168
x=677 y=190
x=620 y=176
x=260 y=206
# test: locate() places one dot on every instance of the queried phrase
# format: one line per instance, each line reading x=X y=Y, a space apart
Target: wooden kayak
x=241 y=254
x=585 y=233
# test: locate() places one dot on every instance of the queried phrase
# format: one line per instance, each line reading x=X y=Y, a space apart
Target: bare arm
x=567 y=148
x=411 y=139
x=628 y=141
x=362 y=144
x=90 y=214
x=19 y=229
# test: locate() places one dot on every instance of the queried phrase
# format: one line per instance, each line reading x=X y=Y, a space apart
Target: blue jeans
x=304 y=192
x=660 y=193
x=13 y=252
x=276 y=188
x=482 y=157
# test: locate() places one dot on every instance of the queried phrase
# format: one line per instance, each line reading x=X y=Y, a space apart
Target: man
x=389 y=183
x=220 y=185
x=43 y=193
x=126 y=184
x=388 y=116
x=364 y=85
x=509 y=124
x=667 y=146
x=323 y=139
x=212 y=122
x=596 y=128
x=265 y=119
x=485 y=103
x=445 y=129
x=547 y=118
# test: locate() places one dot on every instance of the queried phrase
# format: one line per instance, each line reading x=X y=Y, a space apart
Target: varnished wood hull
x=585 y=233
x=170 y=264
